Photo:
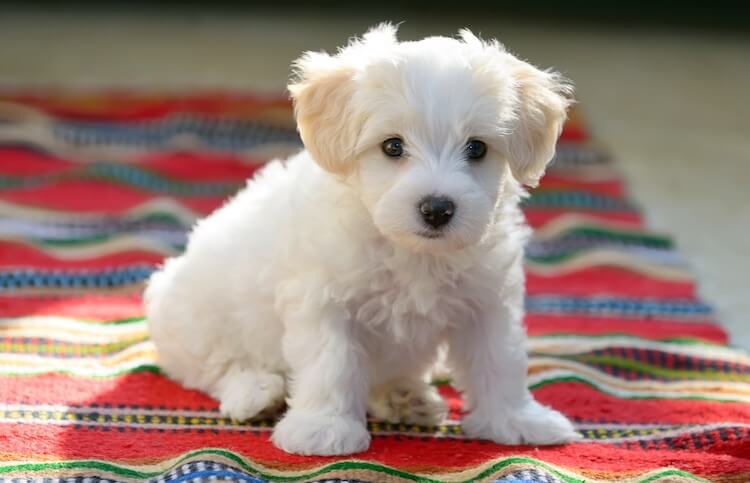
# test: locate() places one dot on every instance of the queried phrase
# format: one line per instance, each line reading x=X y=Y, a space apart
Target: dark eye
x=475 y=150
x=393 y=147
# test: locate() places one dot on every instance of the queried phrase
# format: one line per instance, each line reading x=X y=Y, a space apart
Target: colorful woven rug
x=96 y=189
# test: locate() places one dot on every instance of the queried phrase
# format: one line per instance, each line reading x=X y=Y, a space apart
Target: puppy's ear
x=322 y=97
x=543 y=99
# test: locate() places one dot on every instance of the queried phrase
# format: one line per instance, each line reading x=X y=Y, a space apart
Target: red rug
x=96 y=189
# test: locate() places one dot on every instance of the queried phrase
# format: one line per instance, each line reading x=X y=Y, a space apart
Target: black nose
x=436 y=210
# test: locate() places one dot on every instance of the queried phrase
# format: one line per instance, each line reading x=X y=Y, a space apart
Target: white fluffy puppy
x=334 y=276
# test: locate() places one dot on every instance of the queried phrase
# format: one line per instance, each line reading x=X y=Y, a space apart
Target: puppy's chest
x=413 y=301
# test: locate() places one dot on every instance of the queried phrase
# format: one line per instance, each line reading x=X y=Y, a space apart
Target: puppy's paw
x=531 y=424
x=252 y=396
x=407 y=401
x=311 y=433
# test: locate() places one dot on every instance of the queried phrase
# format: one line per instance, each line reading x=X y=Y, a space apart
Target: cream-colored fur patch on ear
x=323 y=94
x=543 y=100
x=323 y=108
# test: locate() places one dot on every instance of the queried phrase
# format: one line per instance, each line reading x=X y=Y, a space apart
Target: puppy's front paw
x=405 y=401
x=320 y=434
x=531 y=424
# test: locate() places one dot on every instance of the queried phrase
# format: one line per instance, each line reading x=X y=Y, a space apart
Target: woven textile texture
x=96 y=189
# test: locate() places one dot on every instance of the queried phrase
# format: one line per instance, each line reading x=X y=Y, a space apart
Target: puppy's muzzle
x=437 y=210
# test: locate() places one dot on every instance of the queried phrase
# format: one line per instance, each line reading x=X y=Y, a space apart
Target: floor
x=672 y=106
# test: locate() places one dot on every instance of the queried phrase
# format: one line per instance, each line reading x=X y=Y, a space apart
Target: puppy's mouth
x=431 y=234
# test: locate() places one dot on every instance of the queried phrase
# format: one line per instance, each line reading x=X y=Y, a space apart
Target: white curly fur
x=316 y=283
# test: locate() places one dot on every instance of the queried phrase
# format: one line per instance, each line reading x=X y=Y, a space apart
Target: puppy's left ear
x=543 y=99
x=322 y=98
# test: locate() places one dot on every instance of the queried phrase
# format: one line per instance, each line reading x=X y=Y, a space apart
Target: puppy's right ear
x=326 y=121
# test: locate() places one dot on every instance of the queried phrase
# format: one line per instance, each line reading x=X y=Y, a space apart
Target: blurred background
x=664 y=85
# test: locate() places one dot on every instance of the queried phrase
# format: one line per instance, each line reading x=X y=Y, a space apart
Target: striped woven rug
x=95 y=189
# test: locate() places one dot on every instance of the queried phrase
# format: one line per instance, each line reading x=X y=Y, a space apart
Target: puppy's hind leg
x=246 y=393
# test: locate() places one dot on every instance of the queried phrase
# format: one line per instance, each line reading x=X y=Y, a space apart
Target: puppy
x=333 y=278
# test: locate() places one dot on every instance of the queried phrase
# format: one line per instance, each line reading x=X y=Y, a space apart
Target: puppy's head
x=429 y=132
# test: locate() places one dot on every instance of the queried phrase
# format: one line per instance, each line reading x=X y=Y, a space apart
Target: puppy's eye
x=393 y=147
x=475 y=150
